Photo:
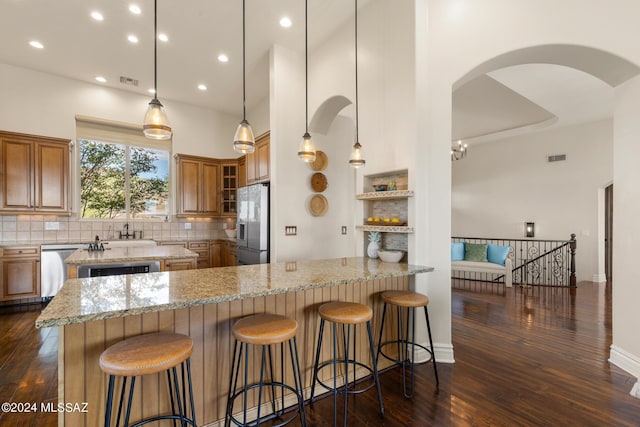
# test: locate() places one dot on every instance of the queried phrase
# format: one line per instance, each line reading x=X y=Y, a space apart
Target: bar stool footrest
x=269 y=417
x=341 y=388
x=398 y=361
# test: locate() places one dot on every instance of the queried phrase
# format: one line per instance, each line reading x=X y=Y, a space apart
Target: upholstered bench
x=482 y=258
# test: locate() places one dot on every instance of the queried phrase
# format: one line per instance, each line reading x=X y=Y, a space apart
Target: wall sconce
x=529 y=229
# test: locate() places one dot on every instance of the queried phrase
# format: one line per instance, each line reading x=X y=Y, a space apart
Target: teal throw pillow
x=457 y=251
x=475 y=252
x=497 y=254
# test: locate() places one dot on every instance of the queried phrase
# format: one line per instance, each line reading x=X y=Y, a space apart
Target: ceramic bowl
x=230 y=233
x=380 y=187
x=390 y=255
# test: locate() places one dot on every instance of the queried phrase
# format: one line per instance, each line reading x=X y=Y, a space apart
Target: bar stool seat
x=350 y=314
x=409 y=300
x=144 y=355
x=264 y=330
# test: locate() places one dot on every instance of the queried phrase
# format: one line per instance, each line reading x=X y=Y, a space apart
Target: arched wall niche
x=327 y=112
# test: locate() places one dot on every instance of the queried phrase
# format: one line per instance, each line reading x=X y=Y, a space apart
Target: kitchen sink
x=127 y=243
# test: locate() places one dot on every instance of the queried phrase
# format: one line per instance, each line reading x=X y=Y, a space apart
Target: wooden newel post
x=572 y=246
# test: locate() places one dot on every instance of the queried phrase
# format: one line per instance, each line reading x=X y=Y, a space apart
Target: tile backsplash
x=46 y=228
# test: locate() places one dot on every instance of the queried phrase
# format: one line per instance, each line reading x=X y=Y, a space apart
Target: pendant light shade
x=156 y=125
x=243 y=140
x=307 y=150
x=356 y=159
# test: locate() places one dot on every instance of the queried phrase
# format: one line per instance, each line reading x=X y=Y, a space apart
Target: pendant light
x=356 y=159
x=307 y=149
x=243 y=140
x=156 y=125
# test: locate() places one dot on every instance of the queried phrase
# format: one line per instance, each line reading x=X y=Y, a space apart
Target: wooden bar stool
x=264 y=330
x=150 y=354
x=349 y=314
x=409 y=300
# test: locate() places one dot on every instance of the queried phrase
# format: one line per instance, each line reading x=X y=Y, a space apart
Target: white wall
x=625 y=350
x=43 y=104
x=502 y=184
x=461 y=35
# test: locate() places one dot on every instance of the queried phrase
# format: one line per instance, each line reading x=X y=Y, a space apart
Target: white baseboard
x=444 y=353
x=599 y=278
x=635 y=391
x=625 y=360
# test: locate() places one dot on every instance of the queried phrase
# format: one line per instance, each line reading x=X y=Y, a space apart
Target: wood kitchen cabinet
x=257 y=163
x=229 y=187
x=20 y=273
x=216 y=253
x=198 y=186
x=230 y=254
x=178 y=264
x=202 y=249
x=35 y=174
x=242 y=171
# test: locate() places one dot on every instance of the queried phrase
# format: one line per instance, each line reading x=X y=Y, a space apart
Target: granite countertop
x=99 y=298
x=129 y=254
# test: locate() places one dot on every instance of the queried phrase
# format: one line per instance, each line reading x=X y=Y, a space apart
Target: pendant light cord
x=356 y=60
x=155 y=49
x=306 y=72
x=244 y=89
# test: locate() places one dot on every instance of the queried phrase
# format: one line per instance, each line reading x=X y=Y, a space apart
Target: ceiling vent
x=557 y=158
x=128 y=81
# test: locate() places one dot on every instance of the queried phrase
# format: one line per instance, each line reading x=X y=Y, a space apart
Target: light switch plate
x=290 y=230
x=187 y=226
x=344 y=229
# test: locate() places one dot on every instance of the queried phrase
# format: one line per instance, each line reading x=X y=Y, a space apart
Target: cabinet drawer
x=198 y=245
x=17 y=252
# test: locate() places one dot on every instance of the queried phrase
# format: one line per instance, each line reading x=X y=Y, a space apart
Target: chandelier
x=459 y=151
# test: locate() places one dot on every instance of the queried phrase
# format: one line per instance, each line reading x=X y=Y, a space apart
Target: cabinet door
x=51 y=173
x=231 y=258
x=179 y=264
x=216 y=254
x=251 y=160
x=189 y=187
x=242 y=171
x=263 y=161
x=17 y=174
x=20 y=278
x=210 y=188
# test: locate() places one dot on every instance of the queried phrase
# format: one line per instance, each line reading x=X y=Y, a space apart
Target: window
x=122 y=175
x=122 y=182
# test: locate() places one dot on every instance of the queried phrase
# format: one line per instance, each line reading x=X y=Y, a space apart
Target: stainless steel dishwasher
x=53 y=270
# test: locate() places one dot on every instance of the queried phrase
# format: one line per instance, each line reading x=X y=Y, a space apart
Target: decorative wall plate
x=321 y=162
x=318 y=182
x=318 y=205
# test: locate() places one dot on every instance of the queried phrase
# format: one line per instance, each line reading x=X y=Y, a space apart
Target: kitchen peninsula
x=94 y=313
x=165 y=255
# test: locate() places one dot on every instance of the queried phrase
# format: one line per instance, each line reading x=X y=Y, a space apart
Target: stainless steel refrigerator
x=253 y=224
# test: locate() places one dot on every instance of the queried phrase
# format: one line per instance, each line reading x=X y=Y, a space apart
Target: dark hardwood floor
x=524 y=357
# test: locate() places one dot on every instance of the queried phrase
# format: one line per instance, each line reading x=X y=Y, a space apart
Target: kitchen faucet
x=126 y=235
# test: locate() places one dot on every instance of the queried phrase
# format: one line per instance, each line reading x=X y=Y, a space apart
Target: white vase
x=372 y=249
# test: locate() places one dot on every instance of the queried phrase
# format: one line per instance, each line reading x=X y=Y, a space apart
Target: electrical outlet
x=344 y=229
x=187 y=226
x=51 y=225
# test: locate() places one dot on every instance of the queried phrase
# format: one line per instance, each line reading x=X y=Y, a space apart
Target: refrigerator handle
x=241 y=232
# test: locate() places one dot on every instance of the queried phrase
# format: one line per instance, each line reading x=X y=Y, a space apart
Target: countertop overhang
x=100 y=298
x=128 y=254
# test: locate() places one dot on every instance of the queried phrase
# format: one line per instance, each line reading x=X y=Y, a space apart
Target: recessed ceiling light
x=36 y=44
x=101 y=79
x=202 y=87
x=152 y=90
x=135 y=9
x=223 y=58
x=163 y=37
x=97 y=16
x=285 y=22
x=132 y=38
